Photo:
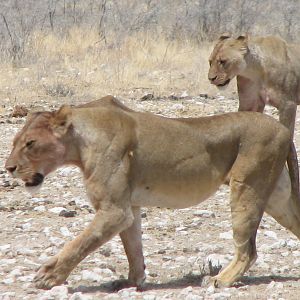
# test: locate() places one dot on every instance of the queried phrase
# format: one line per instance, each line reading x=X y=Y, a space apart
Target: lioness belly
x=170 y=197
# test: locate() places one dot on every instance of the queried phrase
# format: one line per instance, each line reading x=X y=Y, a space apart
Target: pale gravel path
x=176 y=243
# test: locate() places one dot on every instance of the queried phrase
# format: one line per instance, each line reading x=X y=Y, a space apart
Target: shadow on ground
x=187 y=280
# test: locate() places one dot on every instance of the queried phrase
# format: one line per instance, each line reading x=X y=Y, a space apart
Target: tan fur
x=268 y=72
x=131 y=159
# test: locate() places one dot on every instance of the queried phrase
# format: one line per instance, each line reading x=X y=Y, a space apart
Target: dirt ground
x=178 y=244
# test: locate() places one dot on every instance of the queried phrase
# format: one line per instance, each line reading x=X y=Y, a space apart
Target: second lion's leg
x=287 y=116
x=132 y=242
x=247 y=208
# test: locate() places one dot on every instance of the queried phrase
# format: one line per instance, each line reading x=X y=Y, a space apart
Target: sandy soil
x=177 y=244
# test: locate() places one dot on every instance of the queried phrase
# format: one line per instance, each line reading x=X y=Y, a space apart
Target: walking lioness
x=268 y=72
x=131 y=159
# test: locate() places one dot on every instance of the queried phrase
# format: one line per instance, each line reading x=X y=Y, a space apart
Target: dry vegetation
x=77 y=49
x=78 y=66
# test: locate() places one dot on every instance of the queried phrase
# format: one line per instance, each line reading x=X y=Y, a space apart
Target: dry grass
x=79 y=65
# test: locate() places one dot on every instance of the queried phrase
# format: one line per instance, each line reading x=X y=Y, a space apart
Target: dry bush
x=77 y=64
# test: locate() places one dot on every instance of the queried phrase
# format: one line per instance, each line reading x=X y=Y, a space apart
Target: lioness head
x=227 y=59
x=38 y=148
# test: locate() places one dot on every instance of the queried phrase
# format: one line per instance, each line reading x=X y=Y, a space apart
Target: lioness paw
x=50 y=274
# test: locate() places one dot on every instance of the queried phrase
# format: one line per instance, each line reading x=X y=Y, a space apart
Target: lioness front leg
x=247 y=208
x=104 y=226
x=132 y=242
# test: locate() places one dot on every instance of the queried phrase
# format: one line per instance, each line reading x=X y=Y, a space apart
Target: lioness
x=131 y=159
x=268 y=72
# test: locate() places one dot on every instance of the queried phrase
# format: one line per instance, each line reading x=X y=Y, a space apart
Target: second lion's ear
x=243 y=37
x=224 y=36
x=61 y=120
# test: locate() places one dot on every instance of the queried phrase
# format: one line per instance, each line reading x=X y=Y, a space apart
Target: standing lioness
x=268 y=72
x=131 y=159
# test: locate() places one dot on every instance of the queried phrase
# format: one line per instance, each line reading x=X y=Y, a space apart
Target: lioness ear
x=224 y=36
x=61 y=121
x=243 y=37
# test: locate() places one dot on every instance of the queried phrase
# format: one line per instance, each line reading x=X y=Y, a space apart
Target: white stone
x=66 y=171
x=177 y=106
x=40 y=208
x=285 y=254
x=90 y=276
x=210 y=290
x=292 y=244
x=80 y=296
x=184 y=94
x=221 y=296
x=56 y=210
x=8 y=295
x=271 y=234
x=149 y=297
x=296 y=253
x=193 y=297
x=7 y=261
x=37 y=200
x=65 y=231
x=226 y=235
x=26 y=251
x=79 y=201
x=61 y=292
x=271 y=285
x=27 y=278
x=5 y=248
x=204 y=213
x=8 y=280
x=56 y=241
x=26 y=226
x=104 y=272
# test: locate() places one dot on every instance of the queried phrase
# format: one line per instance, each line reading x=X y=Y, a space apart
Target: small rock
x=68 y=213
x=5 y=248
x=184 y=94
x=40 y=208
x=147 y=97
x=221 y=296
x=105 y=251
x=66 y=172
x=59 y=292
x=19 y=111
x=271 y=285
x=204 y=213
x=226 y=235
x=90 y=276
x=271 y=234
x=55 y=241
x=65 y=231
x=56 y=210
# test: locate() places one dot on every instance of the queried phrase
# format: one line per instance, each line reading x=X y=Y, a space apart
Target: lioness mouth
x=224 y=83
x=37 y=179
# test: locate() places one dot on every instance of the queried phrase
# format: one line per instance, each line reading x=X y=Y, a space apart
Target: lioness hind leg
x=132 y=242
x=247 y=208
x=284 y=207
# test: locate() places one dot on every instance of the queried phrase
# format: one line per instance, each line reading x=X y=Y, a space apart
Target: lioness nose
x=212 y=78
x=11 y=169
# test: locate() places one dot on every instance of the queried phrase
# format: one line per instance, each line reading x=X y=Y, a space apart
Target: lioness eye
x=30 y=143
x=222 y=62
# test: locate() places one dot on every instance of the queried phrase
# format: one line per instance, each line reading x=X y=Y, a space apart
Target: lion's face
x=227 y=60
x=36 y=151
